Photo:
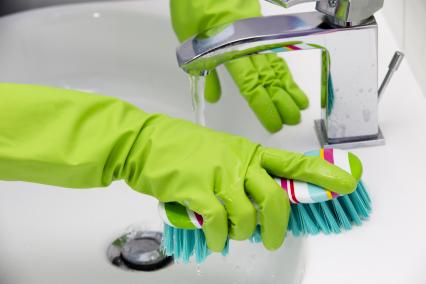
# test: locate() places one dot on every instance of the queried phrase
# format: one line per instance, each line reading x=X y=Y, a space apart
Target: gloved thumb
x=312 y=169
x=212 y=89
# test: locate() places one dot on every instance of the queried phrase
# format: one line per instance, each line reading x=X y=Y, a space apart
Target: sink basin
x=125 y=50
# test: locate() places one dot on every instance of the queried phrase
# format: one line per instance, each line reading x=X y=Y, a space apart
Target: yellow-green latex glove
x=264 y=80
x=78 y=140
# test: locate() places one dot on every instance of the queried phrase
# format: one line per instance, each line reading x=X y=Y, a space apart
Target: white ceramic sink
x=127 y=50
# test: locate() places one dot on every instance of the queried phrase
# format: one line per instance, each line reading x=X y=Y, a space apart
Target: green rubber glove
x=78 y=140
x=264 y=80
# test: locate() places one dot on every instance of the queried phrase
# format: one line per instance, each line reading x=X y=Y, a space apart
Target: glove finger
x=241 y=214
x=273 y=206
x=215 y=223
x=282 y=71
x=315 y=170
x=246 y=77
x=287 y=108
x=266 y=74
x=212 y=89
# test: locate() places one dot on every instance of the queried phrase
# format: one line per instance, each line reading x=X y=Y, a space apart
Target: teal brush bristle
x=330 y=95
x=331 y=216
x=182 y=244
x=327 y=217
x=201 y=250
x=257 y=236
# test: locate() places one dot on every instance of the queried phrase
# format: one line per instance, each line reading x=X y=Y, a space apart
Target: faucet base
x=356 y=143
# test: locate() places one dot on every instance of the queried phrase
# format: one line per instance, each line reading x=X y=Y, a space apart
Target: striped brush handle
x=178 y=216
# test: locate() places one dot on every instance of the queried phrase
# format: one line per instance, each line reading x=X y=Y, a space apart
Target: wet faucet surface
x=351 y=118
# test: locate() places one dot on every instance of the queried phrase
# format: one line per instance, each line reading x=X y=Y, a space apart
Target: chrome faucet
x=341 y=12
x=345 y=31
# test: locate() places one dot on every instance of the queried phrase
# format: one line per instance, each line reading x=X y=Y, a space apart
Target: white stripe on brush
x=341 y=160
x=193 y=219
x=163 y=214
x=301 y=191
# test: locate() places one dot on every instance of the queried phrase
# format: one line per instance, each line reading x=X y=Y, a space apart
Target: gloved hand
x=78 y=140
x=264 y=80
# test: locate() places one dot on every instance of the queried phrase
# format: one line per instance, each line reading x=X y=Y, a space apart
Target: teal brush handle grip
x=178 y=216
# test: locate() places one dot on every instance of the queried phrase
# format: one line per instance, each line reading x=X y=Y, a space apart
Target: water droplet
x=198 y=270
x=366 y=115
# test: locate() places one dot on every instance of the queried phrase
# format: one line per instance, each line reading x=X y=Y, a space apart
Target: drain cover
x=139 y=251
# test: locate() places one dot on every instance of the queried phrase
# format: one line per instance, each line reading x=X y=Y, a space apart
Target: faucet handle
x=393 y=67
x=289 y=3
x=340 y=12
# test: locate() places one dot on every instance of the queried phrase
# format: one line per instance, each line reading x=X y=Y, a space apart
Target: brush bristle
x=331 y=216
x=257 y=236
x=327 y=217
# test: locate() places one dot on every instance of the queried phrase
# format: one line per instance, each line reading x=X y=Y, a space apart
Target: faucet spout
x=214 y=47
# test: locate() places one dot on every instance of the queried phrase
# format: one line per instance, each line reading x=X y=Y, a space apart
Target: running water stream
x=197 y=97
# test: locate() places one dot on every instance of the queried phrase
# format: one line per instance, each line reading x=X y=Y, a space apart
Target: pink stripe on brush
x=284 y=184
x=328 y=156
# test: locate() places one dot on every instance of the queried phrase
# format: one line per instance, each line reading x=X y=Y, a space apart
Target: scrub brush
x=313 y=210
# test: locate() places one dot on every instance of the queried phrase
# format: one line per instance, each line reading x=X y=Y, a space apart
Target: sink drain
x=139 y=250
